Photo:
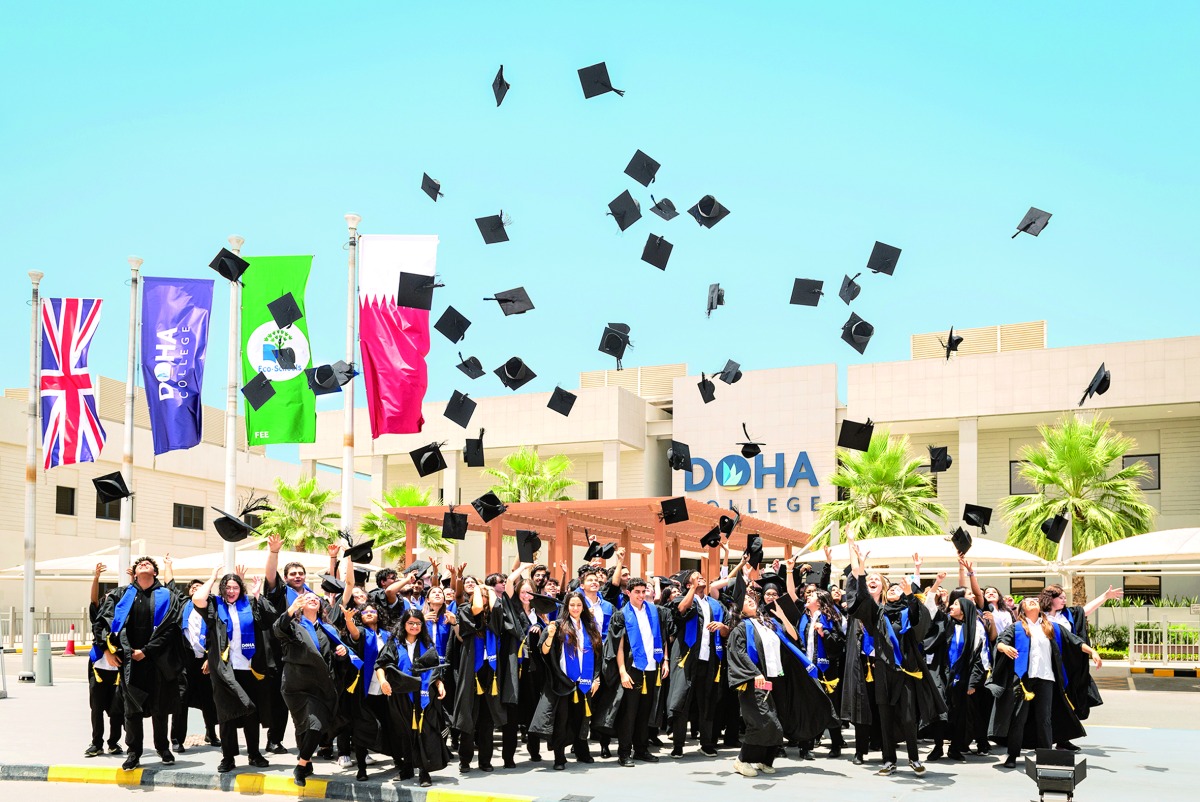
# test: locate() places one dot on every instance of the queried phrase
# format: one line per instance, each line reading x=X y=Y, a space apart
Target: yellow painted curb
x=1137 y=671
x=98 y=774
x=1164 y=672
x=474 y=796
x=264 y=784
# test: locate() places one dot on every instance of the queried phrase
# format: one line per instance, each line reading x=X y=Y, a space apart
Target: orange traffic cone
x=70 y=650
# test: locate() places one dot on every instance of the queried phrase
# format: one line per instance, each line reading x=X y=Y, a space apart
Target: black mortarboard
x=614 y=341
x=716 y=297
x=542 y=604
x=850 y=288
x=593 y=551
x=512 y=302
x=952 y=342
x=470 y=366
x=750 y=449
x=594 y=80
x=681 y=578
x=642 y=168
x=857 y=332
x=731 y=373
x=939 y=459
x=416 y=291
x=258 y=391
x=754 y=549
x=787 y=607
x=500 y=86
x=961 y=539
x=664 y=208
x=807 y=291
x=285 y=358
x=883 y=259
x=1098 y=385
x=431 y=187
x=418 y=568
x=528 y=545
x=492 y=228
x=428 y=661
x=855 y=435
x=1033 y=222
x=489 y=506
x=708 y=390
x=452 y=324
x=317 y=387
x=454 y=525
x=428 y=459
x=625 y=210
x=330 y=378
x=361 y=575
x=284 y=310
x=362 y=553
x=230 y=528
x=810 y=577
x=111 y=487
x=976 y=515
x=674 y=510
x=726 y=524
x=657 y=251
x=460 y=408
x=770 y=578
x=708 y=212
x=229 y=265
x=711 y=539
x=473 y=451
x=1053 y=528
x=679 y=456
x=561 y=401
x=331 y=584
x=608 y=550
x=515 y=374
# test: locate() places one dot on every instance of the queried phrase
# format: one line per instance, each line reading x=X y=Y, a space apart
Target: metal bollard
x=43 y=673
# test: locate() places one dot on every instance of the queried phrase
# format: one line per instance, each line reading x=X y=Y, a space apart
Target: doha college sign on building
x=791 y=475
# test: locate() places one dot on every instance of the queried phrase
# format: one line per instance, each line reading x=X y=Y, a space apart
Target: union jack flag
x=71 y=430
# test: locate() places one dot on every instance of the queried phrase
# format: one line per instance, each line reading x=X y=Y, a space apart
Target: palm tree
x=527 y=477
x=1072 y=469
x=300 y=516
x=882 y=494
x=389 y=532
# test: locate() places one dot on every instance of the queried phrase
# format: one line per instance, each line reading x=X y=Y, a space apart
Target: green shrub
x=1113 y=637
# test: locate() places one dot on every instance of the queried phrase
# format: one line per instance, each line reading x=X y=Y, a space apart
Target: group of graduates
x=432 y=663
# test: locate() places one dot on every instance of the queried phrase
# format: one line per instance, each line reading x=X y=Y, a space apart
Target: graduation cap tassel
x=575 y=698
x=225 y=654
x=644 y=682
x=478 y=687
x=415 y=725
x=870 y=676
x=495 y=690
x=257 y=676
x=684 y=658
x=1028 y=694
x=354 y=684
x=718 y=677
x=96 y=674
x=587 y=710
x=421 y=721
x=658 y=679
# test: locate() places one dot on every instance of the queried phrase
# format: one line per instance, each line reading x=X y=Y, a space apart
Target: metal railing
x=57 y=625
x=1169 y=642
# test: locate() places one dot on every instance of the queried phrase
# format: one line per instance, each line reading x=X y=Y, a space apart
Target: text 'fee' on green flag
x=290 y=416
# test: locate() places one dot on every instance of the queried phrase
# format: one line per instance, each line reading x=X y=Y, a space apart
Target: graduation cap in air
x=625 y=210
x=674 y=510
x=428 y=661
x=642 y=168
x=850 y=288
x=664 y=208
x=232 y=529
x=229 y=265
x=961 y=539
x=431 y=187
x=418 y=568
x=772 y=579
x=711 y=539
x=750 y=449
x=1054 y=528
x=528 y=545
x=489 y=506
x=460 y=408
x=428 y=459
x=807 y=292
x=657 y=251
x=809 y=577
x=939 y=459
x=493 y=227
x=595 y=81
x=883 y=259
x=285 y=358
x=615 y=340
x=708 y=211
x=855 y=435
x=473 y=451
x=284 y=310
x=416 y=291
x=857 y=332
x=716 y=297
x=361 y=576
x=786 y=606
x=500 y=86
x=543 y=604
x=361 y=553
x=679 y=456
x=454 y=525
x=731 y=373
x=258 y=391
x=595 y=550
x=512 y=302
x=708 y=390
x=1098 y=385
x=515 y=374
x=452 y=324
x=976 y=515
x=726 y=525
x=331 y=584
x=1033 y=222
x=561 y=401
x=330 y=378
x=470 y=366
x=111 y=487
x=754 y=549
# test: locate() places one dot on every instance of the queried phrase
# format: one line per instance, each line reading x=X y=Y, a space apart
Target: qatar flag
x=393 y=340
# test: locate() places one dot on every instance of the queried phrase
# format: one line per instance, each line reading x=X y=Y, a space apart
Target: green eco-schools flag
x=291 y=415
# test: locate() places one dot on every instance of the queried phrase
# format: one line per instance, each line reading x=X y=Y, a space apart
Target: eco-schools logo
x=262 y=349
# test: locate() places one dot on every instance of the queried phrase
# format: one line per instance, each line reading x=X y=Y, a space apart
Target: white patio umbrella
x=997 y=559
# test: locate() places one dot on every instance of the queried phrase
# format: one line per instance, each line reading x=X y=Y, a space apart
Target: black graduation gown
x=607 y=702
x=854 y=688
x=695 y=676
x=467 y=700
x=150 y=686
x=520 y=685
x=425 y=743
x=312 y=678
x=1010 y=699
x=757 y=707
x=353 y=714
x=550 y=716
x=230 y=699
x=103 y=688
x=1081 y=687
x=835 y=653
x=805 y=709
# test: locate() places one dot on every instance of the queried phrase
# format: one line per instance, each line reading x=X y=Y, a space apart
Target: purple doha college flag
x=175 y=316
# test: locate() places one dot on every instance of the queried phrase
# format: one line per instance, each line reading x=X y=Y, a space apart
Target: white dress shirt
x=643 y=623
x=194 y=624
x=236 y=658
x=705 y=620
x=771 y=648
x=1040 y=665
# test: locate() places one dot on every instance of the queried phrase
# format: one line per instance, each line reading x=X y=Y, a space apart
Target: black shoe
x=488 y=767
x=559 y=766
x=625 y=762
x=325 y=753
x=917 y=766
x=646 y=757
x=782 y=752
x=93 y=750
x=584 y=759
x=860 y=759
x=277 y=749
x=983 y=750
x=534 y=757
x=677 y=752
x=259 y=762
x=605 y=752
x=298 y=775
x=211 y=740
x=425 y=780
x=177 y=746
x=954 y=754
x=1067 y=746
x=511 y=764
x=708 y=751
x=888 y=770
x=1010 y=762
x=115 y=749
x=362 y=775
x=654 y=740
x=167 y=758
x=464 y=768
x=835 y=751
x=807 y=755
x=131 y=762
x=226 y=765
x=935 y=755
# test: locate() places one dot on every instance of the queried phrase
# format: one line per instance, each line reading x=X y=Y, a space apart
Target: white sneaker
x=345 y=762
x=744 y=769
x=371 y=759
x=764 y=768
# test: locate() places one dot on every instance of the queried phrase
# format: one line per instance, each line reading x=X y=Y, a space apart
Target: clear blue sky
x=160 y=129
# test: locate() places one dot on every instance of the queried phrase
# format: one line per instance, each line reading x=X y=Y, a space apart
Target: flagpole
x=123 y=551
x=347 y=521
x=231 y=401
x=26 y=674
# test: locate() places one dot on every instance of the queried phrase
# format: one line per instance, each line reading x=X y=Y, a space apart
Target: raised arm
x=271 y=571
x=95 y=597
x=967 y=567
x=168 y=574
x=348 y=578
x=200 y=597
x=333 y=550
x=510 y=586
x=1098 y=602
x=789 y=565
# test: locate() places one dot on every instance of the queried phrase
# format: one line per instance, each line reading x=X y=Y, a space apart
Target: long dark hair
x=401 y=636
x=828 y=608
x=565 y=631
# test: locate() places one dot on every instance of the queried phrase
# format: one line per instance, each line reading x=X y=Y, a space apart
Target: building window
x=1151 y=482
x=1024 y=586
x=1143 y=586
x=108 y=512
x=1018 y=485
x=64 y=501
x=594 y=490
x=188 y=517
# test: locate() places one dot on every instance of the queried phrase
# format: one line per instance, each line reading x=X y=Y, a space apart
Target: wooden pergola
x=635 y=524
